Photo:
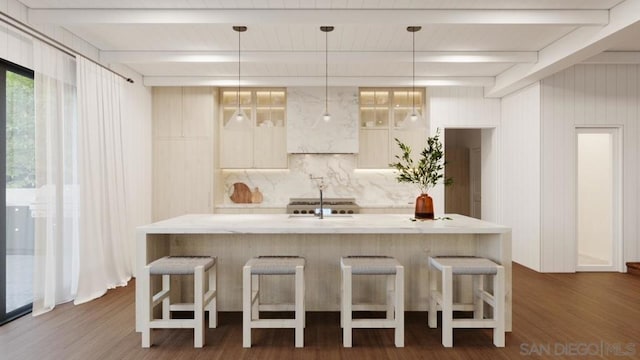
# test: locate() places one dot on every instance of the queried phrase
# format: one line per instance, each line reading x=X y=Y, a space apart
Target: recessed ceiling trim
x=314 y=17
x=313 y=57
x=230 y=81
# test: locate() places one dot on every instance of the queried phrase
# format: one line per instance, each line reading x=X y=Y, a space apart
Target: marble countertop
x=335 y=224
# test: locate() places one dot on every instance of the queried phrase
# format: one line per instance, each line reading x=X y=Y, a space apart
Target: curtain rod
x=17 y=24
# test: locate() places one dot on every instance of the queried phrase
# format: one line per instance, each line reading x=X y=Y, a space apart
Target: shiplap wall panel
x=520 y=190
x=585 y=95
x=462 y=107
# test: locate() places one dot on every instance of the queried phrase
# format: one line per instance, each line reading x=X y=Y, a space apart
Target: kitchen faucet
x=321 y=186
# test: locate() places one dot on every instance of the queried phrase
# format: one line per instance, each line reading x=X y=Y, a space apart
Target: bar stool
x=478 y=268
x=251 y=306
x=203 y=269
x=394 y=306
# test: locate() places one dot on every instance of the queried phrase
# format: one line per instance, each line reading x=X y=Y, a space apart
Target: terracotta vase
x=424 y=207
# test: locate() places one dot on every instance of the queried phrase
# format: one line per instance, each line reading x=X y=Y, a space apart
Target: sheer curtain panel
x=104 y=250
x=56 y=209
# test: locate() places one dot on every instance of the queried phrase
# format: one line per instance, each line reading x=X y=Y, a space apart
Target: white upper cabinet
x=383 y=113
x=257 y=142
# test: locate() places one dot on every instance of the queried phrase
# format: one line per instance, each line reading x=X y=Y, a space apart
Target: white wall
x=585 y=95
x=136 y=112
x=520 y=173
x=15 y=46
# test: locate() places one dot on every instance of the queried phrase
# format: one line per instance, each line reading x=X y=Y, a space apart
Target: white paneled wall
x=520 y=173
x=463 y=107
x=585 y=95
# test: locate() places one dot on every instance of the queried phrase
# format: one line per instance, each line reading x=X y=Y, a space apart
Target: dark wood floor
x=554 y=316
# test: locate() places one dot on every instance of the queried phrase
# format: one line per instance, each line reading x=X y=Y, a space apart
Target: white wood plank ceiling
x=499 y=44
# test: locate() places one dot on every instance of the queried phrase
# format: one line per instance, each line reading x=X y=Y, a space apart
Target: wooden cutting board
x=256 y=196
x=241 y=193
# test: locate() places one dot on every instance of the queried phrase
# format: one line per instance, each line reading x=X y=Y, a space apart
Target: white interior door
x=598 y=200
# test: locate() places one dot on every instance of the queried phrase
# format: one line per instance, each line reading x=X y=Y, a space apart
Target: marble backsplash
x=370 y=188
x=305 y=106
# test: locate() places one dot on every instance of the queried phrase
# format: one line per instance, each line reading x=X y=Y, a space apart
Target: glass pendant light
x=239 y=118
x=326 y=117
x=414 y=117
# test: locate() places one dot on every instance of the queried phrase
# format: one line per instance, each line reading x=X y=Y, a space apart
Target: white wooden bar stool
x=443 y=300
x=251 y=306
x=203 y=269
x=394 y=306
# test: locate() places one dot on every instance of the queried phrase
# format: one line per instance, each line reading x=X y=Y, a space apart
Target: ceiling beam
x=232 y=81
x=313 y=57
x=316 y=16
x=573 y=48
x=615 y=57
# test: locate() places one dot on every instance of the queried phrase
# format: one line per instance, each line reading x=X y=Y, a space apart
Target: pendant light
x=326 y=117
x=414 y=116
x=239 y=117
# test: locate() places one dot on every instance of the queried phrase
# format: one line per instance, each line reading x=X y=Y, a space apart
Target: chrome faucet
x=321 y=186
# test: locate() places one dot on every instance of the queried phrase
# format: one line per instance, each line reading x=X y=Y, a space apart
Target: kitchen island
x=234 y=238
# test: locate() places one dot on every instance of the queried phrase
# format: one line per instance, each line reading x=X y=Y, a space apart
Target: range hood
x=308 y=134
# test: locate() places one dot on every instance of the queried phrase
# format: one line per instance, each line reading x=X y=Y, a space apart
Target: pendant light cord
x=413 y=87
x=326 y=30
x=326 y=72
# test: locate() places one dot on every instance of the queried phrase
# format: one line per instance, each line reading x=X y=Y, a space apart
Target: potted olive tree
x=426 y=172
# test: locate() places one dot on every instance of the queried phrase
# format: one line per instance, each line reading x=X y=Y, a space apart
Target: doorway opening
x=597 y=199
x=463 y=157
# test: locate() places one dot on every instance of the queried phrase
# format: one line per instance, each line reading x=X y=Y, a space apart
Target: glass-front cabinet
x=383 y=117
x=256 y=142
x=374 y=109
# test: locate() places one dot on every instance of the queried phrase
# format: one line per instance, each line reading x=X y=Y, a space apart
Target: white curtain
x=104 y=250
x=56 y=206
x=83 y=241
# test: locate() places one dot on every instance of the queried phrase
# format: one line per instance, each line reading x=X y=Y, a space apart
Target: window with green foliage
x=20 y=128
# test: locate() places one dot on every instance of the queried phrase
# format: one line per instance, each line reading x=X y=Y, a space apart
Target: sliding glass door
x=17 y=168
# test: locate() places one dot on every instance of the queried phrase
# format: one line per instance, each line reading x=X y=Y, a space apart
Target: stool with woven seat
x=443 y=299
x=203 y=269
x=251 y=305
x=394 y=306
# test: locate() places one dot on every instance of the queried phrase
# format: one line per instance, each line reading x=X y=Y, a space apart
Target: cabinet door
x=374 y=149
x=167 y=111
x=270 y=148
x=236 y=148
x=182 y=177
x=168 y=178
x=198 y=175
x=414 y=138
x=197 y=111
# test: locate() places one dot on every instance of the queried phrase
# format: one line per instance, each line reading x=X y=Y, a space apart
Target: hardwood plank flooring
x=555 y=316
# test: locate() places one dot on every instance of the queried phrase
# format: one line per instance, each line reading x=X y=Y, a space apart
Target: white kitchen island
x=234 y=238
